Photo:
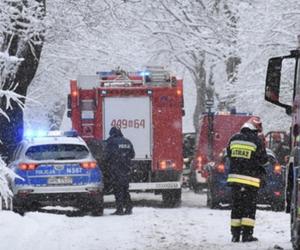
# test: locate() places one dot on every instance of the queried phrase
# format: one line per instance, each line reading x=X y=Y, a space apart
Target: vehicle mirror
x=280 y=81
x=287 y=83
x=69 y=101
x=69 y=113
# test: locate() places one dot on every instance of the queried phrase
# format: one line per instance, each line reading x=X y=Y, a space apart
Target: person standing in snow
x=118 y=154
x=248 y=157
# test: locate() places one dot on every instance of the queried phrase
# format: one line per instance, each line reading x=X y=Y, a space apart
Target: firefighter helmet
x=253 y=124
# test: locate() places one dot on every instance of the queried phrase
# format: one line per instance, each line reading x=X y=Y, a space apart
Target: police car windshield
x=57 y=152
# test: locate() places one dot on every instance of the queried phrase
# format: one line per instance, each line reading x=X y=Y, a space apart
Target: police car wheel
x=20 y=210
x=93 y=206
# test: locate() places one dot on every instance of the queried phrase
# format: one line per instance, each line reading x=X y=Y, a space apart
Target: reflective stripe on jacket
x=244 y=179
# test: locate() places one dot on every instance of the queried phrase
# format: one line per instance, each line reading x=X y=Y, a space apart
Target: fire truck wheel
x=171 y=198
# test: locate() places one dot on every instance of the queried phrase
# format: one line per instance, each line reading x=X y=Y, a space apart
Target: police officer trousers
x=122 y=196
x=244 y=200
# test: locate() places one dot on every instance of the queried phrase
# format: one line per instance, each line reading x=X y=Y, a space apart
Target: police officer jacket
x=248 y=157
x=117 y=155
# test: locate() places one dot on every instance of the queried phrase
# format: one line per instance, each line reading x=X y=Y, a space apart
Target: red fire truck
x=281 y=71
x=215 y=130
x=148 y=107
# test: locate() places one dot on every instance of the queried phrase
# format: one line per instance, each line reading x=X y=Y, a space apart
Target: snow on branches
x=21 y=24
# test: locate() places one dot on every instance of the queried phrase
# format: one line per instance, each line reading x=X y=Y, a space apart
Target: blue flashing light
x=104 y=73
x=34 y=133
x=144 y=73
x=28 y=134
x=41 y=133
x=71 y=133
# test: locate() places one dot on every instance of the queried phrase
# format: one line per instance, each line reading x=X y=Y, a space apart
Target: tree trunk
x=199 y=76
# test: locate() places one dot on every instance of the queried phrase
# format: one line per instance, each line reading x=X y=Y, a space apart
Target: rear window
x=57 y=152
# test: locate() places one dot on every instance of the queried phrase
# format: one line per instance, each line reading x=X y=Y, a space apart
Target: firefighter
x=248 y=158
x=117 y=155
x=280 y=148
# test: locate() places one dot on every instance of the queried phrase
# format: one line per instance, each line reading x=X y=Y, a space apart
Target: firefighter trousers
x=244 y=200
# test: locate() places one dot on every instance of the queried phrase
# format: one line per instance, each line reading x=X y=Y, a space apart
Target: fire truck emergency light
x=105 y=73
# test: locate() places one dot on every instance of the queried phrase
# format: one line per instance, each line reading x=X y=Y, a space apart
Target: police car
x=56 y=169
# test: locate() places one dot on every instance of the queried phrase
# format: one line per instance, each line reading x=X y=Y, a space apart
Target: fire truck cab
x=148 y=107
x=283 y=89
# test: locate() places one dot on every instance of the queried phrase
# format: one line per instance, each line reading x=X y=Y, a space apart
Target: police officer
x=248 y=158
x=117 y=155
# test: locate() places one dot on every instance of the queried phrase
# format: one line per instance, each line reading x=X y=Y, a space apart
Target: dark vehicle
x=271 y=194
x=56 y=169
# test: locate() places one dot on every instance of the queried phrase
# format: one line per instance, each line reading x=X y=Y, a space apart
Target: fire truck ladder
x=158 y=74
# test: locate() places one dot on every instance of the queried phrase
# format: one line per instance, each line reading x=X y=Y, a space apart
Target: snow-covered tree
x=223 y=45
x=266 y=29
x=82 y=37
x=21 y=41
x=200 y=35
x=6 y=194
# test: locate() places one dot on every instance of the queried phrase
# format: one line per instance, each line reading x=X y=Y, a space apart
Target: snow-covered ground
x=192 y=226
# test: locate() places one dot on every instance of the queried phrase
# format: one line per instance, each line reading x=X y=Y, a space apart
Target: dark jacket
x=247 y=159
x=117 y=156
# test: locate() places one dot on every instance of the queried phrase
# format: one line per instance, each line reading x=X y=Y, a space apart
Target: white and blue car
x=56 y=169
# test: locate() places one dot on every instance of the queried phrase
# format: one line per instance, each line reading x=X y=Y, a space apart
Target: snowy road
x=192 y=226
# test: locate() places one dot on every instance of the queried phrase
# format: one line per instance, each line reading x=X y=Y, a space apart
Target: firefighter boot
x=247 y=235
x=236 y=233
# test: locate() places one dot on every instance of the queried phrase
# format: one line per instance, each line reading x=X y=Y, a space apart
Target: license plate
x=59 y=180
